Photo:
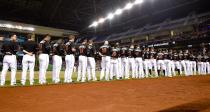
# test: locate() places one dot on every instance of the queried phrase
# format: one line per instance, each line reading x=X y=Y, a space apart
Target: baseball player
x=182 y=58
x=28 y=62
x=70 y=50
x=147 y=62
x=178 y=66
x=205 y=63
x=172 y=62
x=123 y=54
x=187 y=62
x=131 y=61
x=208 y=66
x=114 y=64
x=199 y=64
x=44 y=50
x=58 y=52
x=139 y=62
x=104 y=52
x=91 y=63
x=119 y=60
x=193 y=68
x=9 y=49
x=160 y=62
x=82 y=67
x=167 y=64
x=153 y=61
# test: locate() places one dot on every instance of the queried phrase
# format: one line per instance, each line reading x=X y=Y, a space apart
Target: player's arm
x=40 y=47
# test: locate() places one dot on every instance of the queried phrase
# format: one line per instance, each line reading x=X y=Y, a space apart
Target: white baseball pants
x=9 y=61
x=28 y=62
x=70 y=60
x=57 y=65
x=91 y=68
x=43 y=66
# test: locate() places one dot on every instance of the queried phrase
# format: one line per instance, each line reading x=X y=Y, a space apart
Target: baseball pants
x=125 y=71
x=70 y=60
x=43 y=66
x=9 y=61
x=105 y=67
x=161 y=66
x=82 y=69
x=153 y=65
x=28 y=62
x=114 y=69
x=91 y=67
x=57 y=65
x=168 y=67
x=139 y=68
x=132 y=66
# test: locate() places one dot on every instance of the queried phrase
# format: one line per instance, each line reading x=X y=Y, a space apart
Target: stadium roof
x=79 y=14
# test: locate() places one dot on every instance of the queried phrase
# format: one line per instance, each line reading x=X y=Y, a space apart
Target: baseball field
x=185 y=94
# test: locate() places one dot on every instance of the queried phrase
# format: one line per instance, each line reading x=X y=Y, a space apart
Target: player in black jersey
x=91 y=63
x=131 y=61
x=167 y=63
x=44 y=50
x=187 y=62
x=172 y=62
x=160 y=62
x=30 y=48
x=139 y=62
x=114 y=63
x=9 y=50
x=153 y=61
x=176 y=59
x=82 y=67
x=124 y=57
x=70 y=50
x=104 y=52
x=58 y=53
x=119 y=60
x=147 y=62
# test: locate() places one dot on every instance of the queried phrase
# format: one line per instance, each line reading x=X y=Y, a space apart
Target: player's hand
x=31 y=54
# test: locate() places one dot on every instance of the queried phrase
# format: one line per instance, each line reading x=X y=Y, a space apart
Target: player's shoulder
x=42 y=42
x=55 y=45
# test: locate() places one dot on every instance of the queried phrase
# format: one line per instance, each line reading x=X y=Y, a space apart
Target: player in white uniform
x=172 y=62
x=125 y=69
x=167 y=64
x=91 y=63
x=160 y=63
x=153 y=62
x=187 y=62
x=178 y=66
x=104 y=52
x=139 y=62
x=147 y=62
x=28 y=62
x=131 y=61
x=58 y=53
x=9 y=49
x=69 y=59
x=82 y=67
x=44 y=50
x=114 y=70
x=119 y=60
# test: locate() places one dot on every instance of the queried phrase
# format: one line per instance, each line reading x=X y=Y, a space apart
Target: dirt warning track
x=147 y=95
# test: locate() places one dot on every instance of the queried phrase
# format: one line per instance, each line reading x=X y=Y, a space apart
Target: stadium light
x=128 y=6
x=101 y=20
x=110 y=16
x=138 y=2
x=118 y=11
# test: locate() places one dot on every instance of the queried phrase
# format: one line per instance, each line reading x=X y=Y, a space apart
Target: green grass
x=49 y=78
x=36 y=75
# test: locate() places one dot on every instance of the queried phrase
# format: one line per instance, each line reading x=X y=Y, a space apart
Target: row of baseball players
x=116 y=61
